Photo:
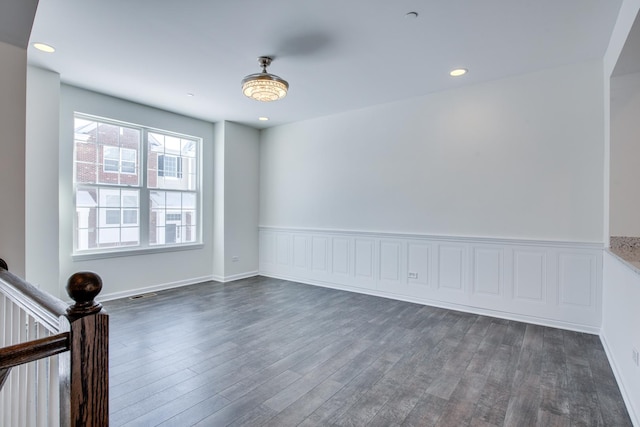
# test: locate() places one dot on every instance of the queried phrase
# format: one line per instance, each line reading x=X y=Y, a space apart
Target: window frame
x=143 y=217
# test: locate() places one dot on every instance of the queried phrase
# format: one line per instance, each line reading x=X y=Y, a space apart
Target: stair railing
x=54 y=358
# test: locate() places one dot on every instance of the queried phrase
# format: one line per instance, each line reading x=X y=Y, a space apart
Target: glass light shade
x=264 y=87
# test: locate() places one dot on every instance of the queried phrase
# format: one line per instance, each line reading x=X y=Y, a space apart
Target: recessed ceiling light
x=458 y=72
x=44 y=47
x=190 y=94
x=263 y=119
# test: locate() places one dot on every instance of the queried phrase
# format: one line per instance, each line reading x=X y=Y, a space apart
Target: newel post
x=88 y=370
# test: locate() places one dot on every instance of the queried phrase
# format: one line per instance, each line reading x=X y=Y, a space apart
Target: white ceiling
x=337 y=55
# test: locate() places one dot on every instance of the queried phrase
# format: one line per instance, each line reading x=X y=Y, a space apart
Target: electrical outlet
x=235 y=259
x=635 y=356
x=413 y=275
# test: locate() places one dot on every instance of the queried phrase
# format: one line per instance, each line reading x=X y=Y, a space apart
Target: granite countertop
x=627 y=249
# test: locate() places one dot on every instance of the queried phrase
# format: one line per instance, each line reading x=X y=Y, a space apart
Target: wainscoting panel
x=544 y=282
x=320 y=254
x=487 y=271
x=576 y=284
x=419 y=263
x=341 y=256
x=391 y=265
x=390 y=253
x=451 y=263
x=267 y=247
x=283 y=253
x=363 y=268
x=530 y=275
x=300 y=252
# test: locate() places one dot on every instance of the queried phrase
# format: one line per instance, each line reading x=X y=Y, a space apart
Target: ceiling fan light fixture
x=264 y=86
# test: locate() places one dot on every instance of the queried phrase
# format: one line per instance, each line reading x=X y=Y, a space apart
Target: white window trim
x=143 y=219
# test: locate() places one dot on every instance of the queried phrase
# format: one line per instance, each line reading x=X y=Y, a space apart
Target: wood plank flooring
x=267 y=352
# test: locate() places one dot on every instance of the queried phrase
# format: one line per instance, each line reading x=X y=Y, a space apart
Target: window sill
x=85 y=256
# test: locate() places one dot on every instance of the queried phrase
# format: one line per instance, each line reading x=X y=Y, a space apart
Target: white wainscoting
x=543 y=282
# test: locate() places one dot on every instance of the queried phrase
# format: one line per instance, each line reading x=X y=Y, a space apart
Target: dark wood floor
x=269 y=352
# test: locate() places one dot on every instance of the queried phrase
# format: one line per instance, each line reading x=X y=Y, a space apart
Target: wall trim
x=234 y=277
x=635 y=417
x=550 y=283
x=439 y=237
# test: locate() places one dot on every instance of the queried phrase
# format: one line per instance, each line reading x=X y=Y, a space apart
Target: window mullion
x=144 y=191
x=98 y=150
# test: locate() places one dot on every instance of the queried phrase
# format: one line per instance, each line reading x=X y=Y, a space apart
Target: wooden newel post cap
x=83 y=287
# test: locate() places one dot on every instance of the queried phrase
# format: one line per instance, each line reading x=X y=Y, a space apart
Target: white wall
x=236 y=185
x=515 y=158
x=42 y=152
x=128 y=274
x=13 y=81
x=626 y=17
x=620 y=332
x=625 y=155
x=619 y=285
x=218 y=202
x=241 y=201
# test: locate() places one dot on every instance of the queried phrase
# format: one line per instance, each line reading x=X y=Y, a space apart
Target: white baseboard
x=178 y=284
x=233 y=277
x=240 y=276
x=154 y=288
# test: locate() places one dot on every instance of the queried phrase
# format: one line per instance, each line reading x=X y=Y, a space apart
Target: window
x=121 y=204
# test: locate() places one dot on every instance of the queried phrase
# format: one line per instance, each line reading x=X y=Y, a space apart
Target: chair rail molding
x=551 y=283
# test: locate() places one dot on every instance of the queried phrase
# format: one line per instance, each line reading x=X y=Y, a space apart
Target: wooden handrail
x=31 y=351
x=18 y=354
x=44 y=307
x=82 y=329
